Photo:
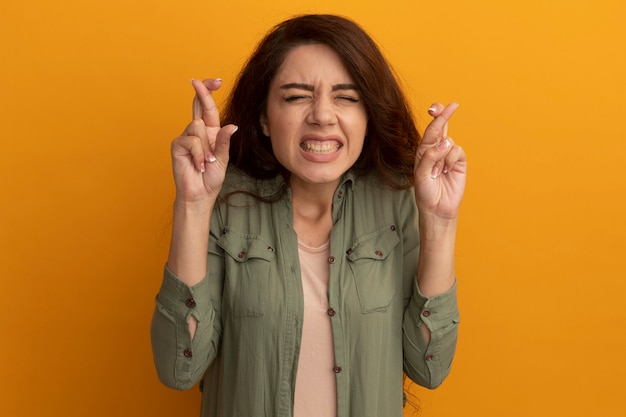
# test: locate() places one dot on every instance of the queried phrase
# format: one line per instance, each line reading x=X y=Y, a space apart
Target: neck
x=312 y=212
x=312 y=197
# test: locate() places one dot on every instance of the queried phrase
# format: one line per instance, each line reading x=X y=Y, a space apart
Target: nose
x=322 y=112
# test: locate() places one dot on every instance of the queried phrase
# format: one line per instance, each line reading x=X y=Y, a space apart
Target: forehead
x=311 y=61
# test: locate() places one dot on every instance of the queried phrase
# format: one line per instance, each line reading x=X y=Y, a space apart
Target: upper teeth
x=319 y=147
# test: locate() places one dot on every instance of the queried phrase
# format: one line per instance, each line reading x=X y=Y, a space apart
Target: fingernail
x=444 y=144
x=236 y=129
x=212 y=159
x=445 y=169
x=202 y=167
x=435 y=172
x=219 y=80
x=432 y=110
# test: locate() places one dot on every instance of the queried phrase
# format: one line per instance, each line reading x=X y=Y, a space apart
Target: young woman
x=312 y=254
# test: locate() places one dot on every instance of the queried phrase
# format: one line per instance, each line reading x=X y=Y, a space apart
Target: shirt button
x=191 y=303
x=349 y=252
x=187 y=353
x=378 y=253
x=340 y=194
x=331 y=312
x=426 y=313
x=270 y=249
x=242 y=255
x=393 y=227
x=331 y=259
x=429 y=357
x=337 y=369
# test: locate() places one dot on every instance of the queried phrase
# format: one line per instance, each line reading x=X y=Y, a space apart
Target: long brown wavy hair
x=390 y=145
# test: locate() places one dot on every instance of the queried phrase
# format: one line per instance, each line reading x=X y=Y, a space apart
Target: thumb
x=222 y=143
x=432 y=163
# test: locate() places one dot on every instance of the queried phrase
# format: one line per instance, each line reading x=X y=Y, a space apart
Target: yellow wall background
x=91 y=94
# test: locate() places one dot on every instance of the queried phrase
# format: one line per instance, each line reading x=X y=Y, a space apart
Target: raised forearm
x=435 y=273
x=190 y=235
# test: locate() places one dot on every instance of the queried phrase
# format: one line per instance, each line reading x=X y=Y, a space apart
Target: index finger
x=438 y=128
x=204 y=106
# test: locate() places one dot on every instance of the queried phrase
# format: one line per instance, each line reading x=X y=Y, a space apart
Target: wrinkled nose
x=322 y=112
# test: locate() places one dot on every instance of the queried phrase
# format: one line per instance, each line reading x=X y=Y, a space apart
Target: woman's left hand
x=440 y=167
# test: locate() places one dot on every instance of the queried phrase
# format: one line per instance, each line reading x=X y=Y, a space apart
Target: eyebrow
x=309 y=87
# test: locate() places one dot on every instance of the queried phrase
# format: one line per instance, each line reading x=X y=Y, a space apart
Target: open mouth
x=320 y=147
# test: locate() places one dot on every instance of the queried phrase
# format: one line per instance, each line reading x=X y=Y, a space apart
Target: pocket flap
x=242 y=247
x=377 y=245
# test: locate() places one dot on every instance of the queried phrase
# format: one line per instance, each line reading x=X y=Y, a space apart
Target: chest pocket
x=247 y=269
x=375 y=275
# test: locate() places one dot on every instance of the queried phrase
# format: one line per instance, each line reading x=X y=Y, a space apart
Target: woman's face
x=315 y=118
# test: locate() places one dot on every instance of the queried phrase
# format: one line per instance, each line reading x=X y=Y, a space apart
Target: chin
x=320 y=178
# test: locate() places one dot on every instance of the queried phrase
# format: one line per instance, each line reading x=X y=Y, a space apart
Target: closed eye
x=349 y=98
x=294 y=98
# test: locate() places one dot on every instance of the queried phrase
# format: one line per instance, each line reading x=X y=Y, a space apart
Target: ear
x=264 y=125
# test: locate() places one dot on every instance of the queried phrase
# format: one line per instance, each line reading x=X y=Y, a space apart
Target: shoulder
x=237 y=180
x=372 y=186
x=373 y=201
x=242 y=188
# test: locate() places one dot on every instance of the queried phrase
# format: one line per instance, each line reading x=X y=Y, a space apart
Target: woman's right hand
x=200 y=155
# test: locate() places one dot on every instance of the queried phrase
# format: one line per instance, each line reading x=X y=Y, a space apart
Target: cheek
x=358 y=120
x=359 y=132
x=359 y=127
x=283 y=127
